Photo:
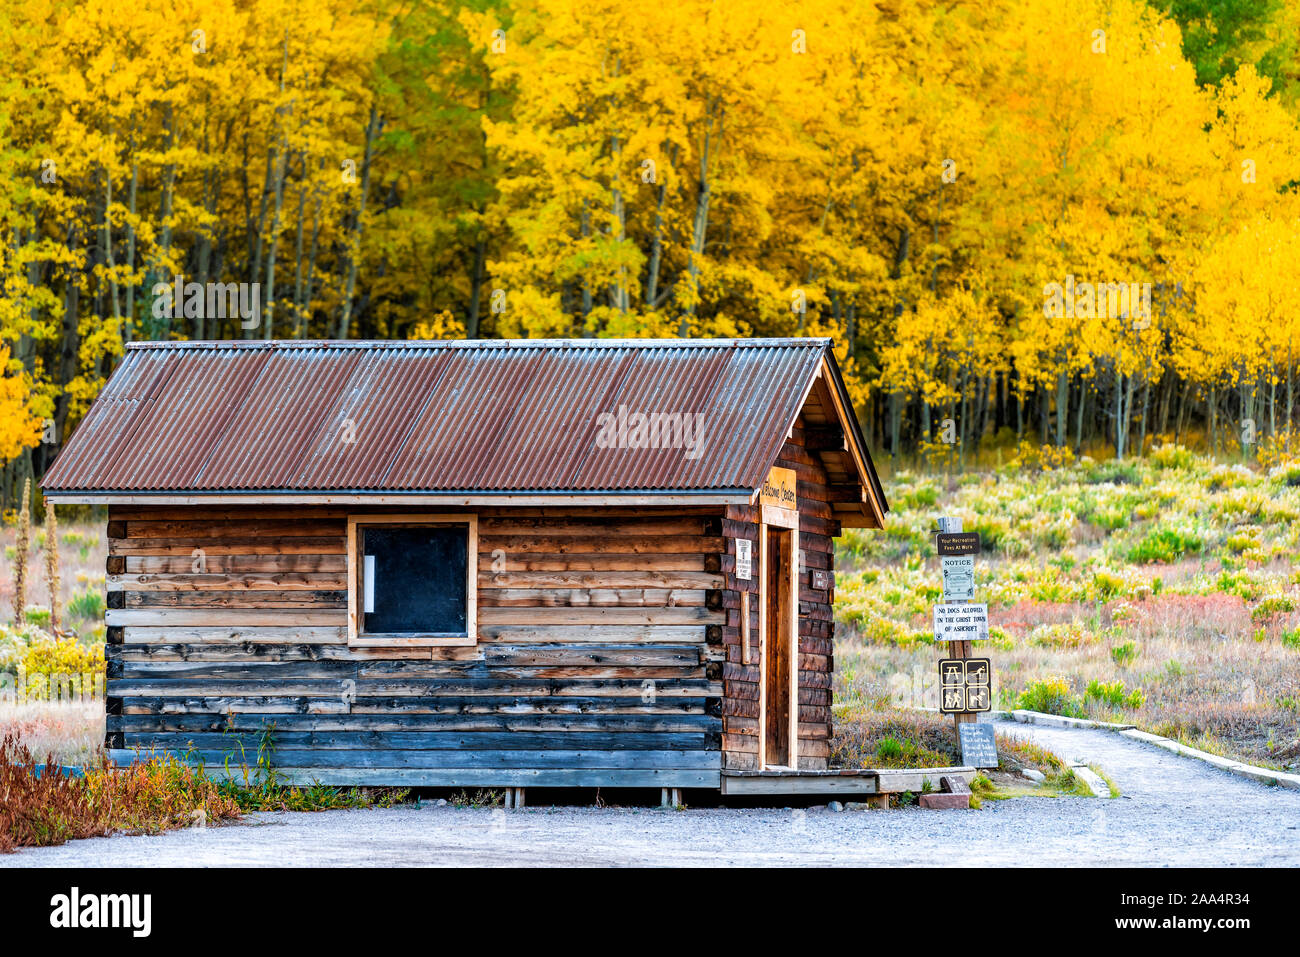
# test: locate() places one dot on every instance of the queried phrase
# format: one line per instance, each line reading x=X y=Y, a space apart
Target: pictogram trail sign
x=965 y=685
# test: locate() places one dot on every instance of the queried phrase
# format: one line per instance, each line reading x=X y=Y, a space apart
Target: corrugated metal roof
x=434 y=416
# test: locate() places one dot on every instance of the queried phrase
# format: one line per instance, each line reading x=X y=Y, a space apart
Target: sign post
x=965 y=683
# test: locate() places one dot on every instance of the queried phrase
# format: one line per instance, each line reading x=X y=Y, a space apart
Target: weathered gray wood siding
x=598 y=661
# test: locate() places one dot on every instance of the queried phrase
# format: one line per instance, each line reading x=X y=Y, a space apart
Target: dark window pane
x=419 y=579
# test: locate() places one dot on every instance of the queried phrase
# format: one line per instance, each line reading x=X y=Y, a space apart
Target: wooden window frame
x=358 y=638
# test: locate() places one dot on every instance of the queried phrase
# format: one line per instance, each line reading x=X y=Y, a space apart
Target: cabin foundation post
x=519 y=798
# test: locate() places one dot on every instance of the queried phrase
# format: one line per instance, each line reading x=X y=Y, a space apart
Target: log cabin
x=497 y=564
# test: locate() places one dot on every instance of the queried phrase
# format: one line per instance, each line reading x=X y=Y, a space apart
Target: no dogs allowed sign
x=968 y=622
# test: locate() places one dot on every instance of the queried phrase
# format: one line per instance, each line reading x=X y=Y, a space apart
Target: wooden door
x=778 y=653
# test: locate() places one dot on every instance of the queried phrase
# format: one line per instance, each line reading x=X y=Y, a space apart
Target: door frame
x=789 y=523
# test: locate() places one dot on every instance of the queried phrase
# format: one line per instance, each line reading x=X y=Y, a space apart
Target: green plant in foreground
x=1114 y=694
x=479 y=799
x=86 y=604
x=1165 y=545
x=1270 y=606
x=1124 y=654
x=889 y=748
x=1051 y=695
x=262 y=790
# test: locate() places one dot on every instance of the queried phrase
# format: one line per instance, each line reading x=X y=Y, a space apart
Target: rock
x=441 y=802
x=835 y=806
x=953 y=785
x=1037 y=777
x=945 y=802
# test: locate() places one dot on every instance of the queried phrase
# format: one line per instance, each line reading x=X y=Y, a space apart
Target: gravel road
x=1174 y=812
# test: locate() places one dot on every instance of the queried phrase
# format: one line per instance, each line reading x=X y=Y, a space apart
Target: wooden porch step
x=864 y=781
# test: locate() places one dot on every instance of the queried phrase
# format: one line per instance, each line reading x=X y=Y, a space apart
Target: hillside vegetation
x=1159 y=592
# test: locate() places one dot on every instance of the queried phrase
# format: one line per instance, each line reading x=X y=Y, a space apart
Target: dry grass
x=73 y=732
x=83 y=550
x=868 y=737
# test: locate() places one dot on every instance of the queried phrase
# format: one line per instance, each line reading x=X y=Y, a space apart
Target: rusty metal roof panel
x=437 y=416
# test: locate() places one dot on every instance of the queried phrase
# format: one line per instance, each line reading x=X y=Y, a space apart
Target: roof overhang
x=346 y=497
x=870 y=512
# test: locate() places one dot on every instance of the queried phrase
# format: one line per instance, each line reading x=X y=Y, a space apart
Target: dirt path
x=1174 y=812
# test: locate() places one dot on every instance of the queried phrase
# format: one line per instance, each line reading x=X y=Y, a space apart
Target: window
x=411 y=580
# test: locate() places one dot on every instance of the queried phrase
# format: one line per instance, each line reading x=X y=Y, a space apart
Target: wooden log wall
x=817 y=530
x=599 y=658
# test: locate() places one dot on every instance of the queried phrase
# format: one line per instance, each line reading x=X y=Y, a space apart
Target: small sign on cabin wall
x=744 y=559
x=961 y=622
x=821 y=579
x=964 y=685
x=979 y=747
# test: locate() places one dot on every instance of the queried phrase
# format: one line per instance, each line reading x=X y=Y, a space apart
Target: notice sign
x=958 y=577
x=961 y=622
x=744 y=559
x=958 y=543
x=979 y=748
x=964 y=685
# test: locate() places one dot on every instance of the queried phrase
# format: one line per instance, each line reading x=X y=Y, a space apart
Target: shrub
x=1228 y=476
x=1106 y=584
x=1042 y=458
x=1241 y=585
x=1124 y=654
x=1240 y=542
x=1287 y=474
x=1164 y=545
x=1112 y=519
x=1051 y=696
x=1291 y=639
x=993 y=532
x=1066 y=635
x=50 y=807
x=1172 y=457
x=48 y=658
x=1280 y=450
x=1112 y=473
x=889 y=748
x=86 y=604
x=1270 y=606
x=40 y=617
x=923 y=496
x=1114 y=694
